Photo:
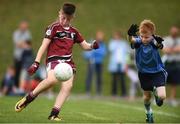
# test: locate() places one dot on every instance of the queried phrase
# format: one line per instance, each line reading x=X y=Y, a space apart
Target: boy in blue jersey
x=151 y=71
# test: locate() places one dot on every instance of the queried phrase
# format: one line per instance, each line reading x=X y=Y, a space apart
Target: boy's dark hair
x=69 y=8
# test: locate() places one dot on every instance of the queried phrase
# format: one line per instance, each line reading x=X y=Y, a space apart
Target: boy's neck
x=66 y=27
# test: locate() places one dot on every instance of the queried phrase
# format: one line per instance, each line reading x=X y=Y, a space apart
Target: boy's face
x=146 y=37
x=64 y=19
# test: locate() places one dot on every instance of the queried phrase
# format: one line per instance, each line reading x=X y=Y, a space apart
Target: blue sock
x=148 y=107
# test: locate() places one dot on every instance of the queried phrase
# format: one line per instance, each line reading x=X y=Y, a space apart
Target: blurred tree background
x=91 y=15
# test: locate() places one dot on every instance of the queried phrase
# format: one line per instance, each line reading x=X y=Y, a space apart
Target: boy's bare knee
x=161 y=92
x=147 y=97
x=162 y=96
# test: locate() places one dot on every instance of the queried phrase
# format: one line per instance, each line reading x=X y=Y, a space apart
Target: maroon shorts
x=52 y=64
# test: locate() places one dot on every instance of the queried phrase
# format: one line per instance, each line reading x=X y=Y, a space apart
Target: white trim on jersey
x=165 y=74
x=60 y=56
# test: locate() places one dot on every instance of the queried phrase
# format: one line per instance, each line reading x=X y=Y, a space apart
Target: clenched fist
x=94 y=45
x=33 y=68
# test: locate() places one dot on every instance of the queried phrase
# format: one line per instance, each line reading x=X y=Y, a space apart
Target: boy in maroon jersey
x=59 y=40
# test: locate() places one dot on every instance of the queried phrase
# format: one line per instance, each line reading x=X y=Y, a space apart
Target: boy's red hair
x=147 y=26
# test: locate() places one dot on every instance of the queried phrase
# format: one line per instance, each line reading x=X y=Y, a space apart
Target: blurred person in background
x=132 y=74
x=118 y=49
x=27 y=60
x=87 y=55
x=171 y=59
x=20 y=36
x=95 y=61
x=8 y=83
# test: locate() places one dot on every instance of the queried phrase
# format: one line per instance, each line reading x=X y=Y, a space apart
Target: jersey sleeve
x=137 y=43
x=137 y=40
x=78 y=37
x=50 y=32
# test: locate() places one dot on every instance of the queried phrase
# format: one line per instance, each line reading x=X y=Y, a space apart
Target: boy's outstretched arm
x=42 y=49
x=89 y=46
x=158 y=41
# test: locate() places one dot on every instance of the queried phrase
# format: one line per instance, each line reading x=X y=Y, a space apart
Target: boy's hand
x=158 y=38
x=160 y=46
x=158 y=42
x=94 y=45
x=33 y=68
x=133 y=29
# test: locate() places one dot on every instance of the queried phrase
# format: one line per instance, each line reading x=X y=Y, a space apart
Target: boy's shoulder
x=74 y=28
x=54 y=24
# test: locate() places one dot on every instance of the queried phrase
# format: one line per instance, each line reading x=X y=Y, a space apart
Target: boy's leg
x=61 y=98
x=147 y=101
x=160 y=94
x=43 y=85
x=147 y=105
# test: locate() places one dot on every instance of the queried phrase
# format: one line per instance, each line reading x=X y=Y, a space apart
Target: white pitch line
x=91 y=116
x=141 y=109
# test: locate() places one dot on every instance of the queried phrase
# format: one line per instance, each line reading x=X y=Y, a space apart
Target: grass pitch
x=86 y=110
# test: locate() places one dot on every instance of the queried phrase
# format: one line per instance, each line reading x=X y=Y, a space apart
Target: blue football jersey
x=148 y=59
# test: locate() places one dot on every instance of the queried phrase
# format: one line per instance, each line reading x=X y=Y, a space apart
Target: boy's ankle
x=30 y=97
x=54 y=112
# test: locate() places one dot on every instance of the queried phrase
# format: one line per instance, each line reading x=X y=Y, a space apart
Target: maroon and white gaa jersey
x=62 y=40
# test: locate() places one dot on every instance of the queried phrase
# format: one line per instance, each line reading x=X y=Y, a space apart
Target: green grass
x=83 y=110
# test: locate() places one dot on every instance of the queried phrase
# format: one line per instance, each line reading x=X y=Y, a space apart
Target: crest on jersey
x=73 y=35
x=62 y=34
x=65 y=34
x=48 y=32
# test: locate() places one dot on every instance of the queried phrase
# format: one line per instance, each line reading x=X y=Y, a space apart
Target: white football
x=63 y=71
